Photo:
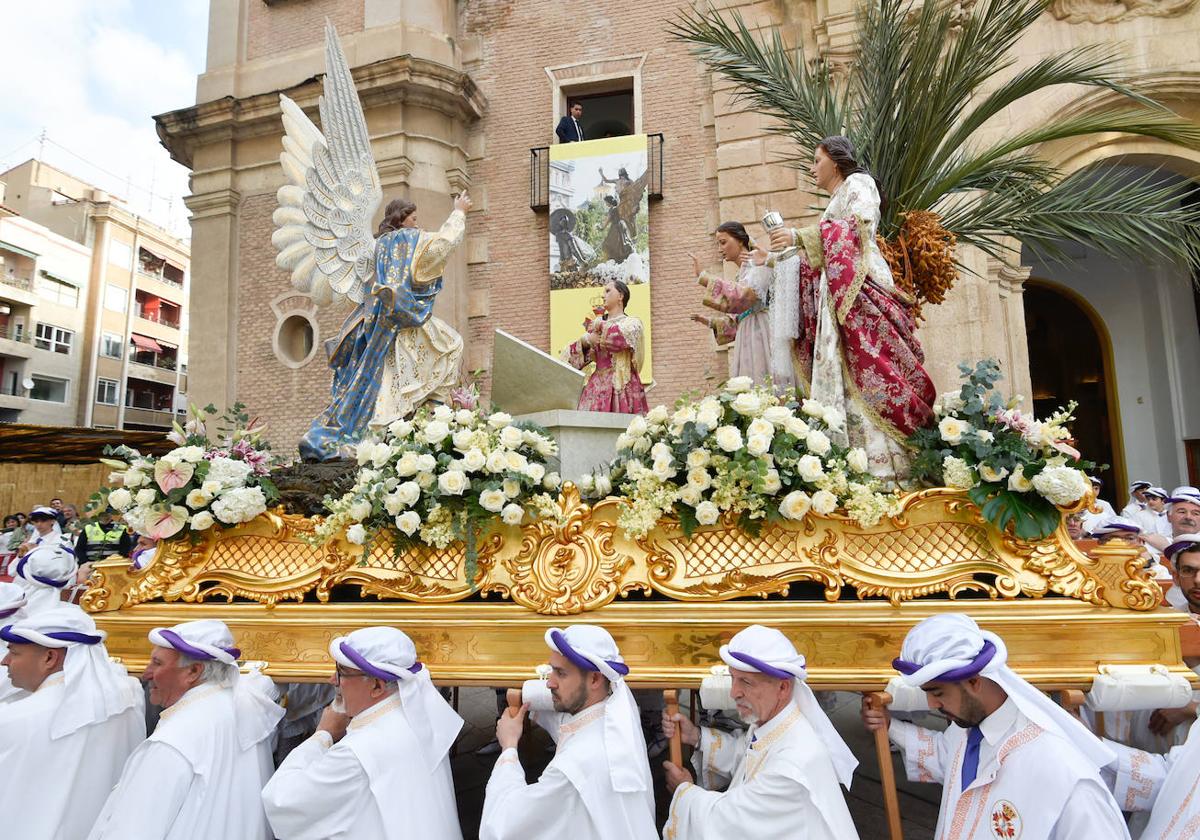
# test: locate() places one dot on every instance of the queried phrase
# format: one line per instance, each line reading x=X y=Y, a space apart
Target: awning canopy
x=5 y=246
x=72 y=445
x=59 y=277
x=143 y=342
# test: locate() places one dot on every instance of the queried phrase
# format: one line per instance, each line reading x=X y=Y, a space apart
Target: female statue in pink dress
x=745 y=303
x=614 y=344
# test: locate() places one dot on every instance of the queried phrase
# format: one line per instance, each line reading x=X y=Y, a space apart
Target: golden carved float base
x=582 y=561
x=1054 y=643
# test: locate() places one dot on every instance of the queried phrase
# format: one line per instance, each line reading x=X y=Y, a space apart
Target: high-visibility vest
x=96 y=534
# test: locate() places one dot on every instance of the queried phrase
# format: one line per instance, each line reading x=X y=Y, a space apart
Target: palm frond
x=1102 y=207
x=770 y=77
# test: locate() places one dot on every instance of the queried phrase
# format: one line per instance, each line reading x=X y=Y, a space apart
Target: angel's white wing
x=323 y=222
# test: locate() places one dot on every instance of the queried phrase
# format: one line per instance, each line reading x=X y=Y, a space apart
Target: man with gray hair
x=200 y=775
x=62 y=745
x=378 y=765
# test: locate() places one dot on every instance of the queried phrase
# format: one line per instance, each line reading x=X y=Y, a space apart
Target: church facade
x=459 y=94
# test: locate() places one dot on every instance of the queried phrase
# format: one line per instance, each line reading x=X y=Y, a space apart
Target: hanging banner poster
x=599 y=232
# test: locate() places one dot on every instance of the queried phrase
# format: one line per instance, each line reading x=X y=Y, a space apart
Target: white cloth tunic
x=191 y=779
x=52 y=789
x=1031 y=783
x=574 y=797
x=371 y=784
x=782 y=785
x=1167 y=786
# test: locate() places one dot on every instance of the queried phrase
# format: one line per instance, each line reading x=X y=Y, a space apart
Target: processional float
x=477 y=609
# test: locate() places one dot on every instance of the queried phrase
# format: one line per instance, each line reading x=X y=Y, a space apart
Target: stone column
x=213 y=326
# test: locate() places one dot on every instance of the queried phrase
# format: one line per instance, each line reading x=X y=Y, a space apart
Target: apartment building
x=96 y=333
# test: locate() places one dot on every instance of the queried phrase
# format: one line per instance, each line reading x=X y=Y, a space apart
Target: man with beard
x=598 y=785
x=378 y=765
x=1012 y=762
x=782 y=773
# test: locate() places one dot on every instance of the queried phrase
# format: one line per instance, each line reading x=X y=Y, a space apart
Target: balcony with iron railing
x=158 y=317
x=539 y=173
x=16 y=343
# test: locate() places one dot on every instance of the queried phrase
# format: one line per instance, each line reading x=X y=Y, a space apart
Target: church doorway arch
x=1071 y=358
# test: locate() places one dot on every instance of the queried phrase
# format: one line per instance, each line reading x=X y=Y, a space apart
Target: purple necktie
x=971 y=757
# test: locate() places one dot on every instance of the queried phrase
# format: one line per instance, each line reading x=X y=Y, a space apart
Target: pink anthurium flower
x=172 y=474
x=162 y=523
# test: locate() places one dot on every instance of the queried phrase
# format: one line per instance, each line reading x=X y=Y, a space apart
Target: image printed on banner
x=599 y=221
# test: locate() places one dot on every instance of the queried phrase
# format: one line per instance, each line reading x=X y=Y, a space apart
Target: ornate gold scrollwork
x=580 y=561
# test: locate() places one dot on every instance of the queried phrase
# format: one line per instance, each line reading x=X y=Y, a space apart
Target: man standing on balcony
x=569 y=130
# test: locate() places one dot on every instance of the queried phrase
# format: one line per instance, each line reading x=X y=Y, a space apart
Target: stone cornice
x=403 y=79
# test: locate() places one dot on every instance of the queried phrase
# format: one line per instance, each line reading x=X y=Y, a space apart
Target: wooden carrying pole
x=671 y=698
x=514 y=702
x=880 y=700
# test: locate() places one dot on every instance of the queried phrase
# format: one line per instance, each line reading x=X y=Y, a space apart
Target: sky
x=92 y=74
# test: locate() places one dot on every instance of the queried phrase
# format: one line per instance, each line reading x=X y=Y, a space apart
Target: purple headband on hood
x=581 y=661
x=981 y=660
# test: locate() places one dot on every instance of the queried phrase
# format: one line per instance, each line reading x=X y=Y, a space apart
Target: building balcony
x=539 y=173
x=16 y=345
x=17 y=288
x=13 y=402
x=159 y=285
x=148 y=417
x=168 y=332
x=162 y=372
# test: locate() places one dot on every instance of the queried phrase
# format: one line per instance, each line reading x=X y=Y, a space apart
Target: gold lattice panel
x=921 y=548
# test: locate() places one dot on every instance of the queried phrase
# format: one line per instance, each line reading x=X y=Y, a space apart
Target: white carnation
x=239 y=505
x=512 y=514
x=1061 y=486
x=729 y=438
x=795 y=505
x=824 y=502
x=452 y=483
x=356 y=534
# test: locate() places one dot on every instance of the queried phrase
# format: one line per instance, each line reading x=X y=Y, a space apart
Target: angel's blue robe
x=358 y=353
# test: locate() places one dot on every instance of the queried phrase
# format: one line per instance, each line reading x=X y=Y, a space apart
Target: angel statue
x=391 y=355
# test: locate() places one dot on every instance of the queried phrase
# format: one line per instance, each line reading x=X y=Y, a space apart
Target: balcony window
x=115 y=298
x=152 y=265
x=106 y=391
x=49 y=337
x=145 y=350
x=48 y=389
x=150 y=396
x=56 y=291
x=159 y=310
x=112 y=346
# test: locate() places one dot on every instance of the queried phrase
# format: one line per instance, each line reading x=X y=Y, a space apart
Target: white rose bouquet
x=1018 y=469
x=199 y=483
x=744 y=453
x=444 y=475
